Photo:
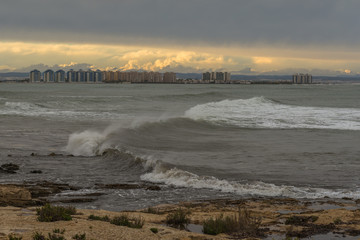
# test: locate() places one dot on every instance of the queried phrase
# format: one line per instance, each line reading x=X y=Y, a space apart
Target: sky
x=321 y=37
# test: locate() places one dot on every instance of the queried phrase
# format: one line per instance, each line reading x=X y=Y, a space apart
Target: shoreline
x=309 y=218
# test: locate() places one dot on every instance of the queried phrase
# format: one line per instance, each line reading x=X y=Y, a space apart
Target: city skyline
x=242 y=37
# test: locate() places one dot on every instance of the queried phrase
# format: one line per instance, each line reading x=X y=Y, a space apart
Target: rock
x=353 y=232
x=153 y=188
x=36 y=171
x=45 y=188
x=10 y=168
x=11 y=195
x=76 y=200
x=301 y=220
x=129 y=186
x=119 y=186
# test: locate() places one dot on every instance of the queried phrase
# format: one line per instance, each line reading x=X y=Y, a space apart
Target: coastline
x=313 y=218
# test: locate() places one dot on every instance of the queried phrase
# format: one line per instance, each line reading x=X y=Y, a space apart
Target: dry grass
x=243 y=223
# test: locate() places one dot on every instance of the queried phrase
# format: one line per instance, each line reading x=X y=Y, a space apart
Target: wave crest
x=260 y=112
x=90 y=142
x=179 y=178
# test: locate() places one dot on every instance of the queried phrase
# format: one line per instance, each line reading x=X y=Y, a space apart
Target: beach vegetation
x=49 y=213
x=98 y=218
x=55 y=236
x=338 y=221
x=178 y=219
x=137 y=222
x=14 y=237
x=154 y=230
x=58 y=230
x=242 y=223
x=79 y=236
x=153 y=211
x=124 y=220
x=38 y=236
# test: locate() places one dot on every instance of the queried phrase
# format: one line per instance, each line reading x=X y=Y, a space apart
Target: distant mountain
x=15 y=74
x=244 y=77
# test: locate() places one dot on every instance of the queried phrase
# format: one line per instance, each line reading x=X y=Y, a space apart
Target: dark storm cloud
x=216 y=22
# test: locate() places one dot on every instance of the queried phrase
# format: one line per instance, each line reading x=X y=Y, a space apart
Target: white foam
x=89 y=142
x=33 y=110
x=179 y=178
x=259 y=112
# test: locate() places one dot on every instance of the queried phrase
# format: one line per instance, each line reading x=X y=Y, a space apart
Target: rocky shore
x=278 y=218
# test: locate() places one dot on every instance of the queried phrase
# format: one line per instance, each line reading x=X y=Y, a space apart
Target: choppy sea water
x=195 y=141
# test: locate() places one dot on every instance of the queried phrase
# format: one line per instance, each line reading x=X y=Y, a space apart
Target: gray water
x=195 y=141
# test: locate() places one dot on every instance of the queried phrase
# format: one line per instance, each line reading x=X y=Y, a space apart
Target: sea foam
x=259 y=112
x=180 y=178
x=35 y=110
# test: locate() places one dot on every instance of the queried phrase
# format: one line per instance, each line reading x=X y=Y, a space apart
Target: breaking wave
x=91 y=143
x=36 y=110
x=259 y=112
x=180 y=178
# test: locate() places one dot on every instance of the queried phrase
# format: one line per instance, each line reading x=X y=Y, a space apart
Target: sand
x=310 y=218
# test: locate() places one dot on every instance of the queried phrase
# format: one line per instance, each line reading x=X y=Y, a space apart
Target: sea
x=194 y=141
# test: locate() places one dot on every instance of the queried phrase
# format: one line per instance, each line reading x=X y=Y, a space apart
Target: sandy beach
x=280 y=217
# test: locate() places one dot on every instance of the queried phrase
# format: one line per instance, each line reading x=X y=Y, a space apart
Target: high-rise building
x=109 y=76
x=98 y=76
x=169 y=77
x=60 y=76
x=216 y=77
x=49 y=76
x=71 y=76
x=227 y=77
x=219 y=77
x=206 y=76
x=89 y=76
x=302 y=78
x=80 y=76
x=35 y=76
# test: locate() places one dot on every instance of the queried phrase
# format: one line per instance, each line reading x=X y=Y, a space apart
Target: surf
x=260 y=112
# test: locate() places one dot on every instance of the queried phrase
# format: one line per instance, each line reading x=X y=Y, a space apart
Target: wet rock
x=353 y=232
x=129 y=186
x=45 y=188
x=9 y=168
x=347 y=198
x=119 y=186
x=300 y=220
x=153 y=188
x=11 y=195
x=97 y=194
x=312 y=229
x=76 y=200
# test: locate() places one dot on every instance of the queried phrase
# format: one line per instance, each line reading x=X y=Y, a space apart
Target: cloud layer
x=182 y=35
x=214 y=22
